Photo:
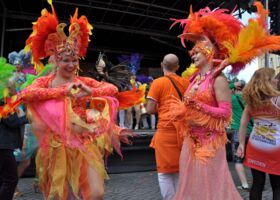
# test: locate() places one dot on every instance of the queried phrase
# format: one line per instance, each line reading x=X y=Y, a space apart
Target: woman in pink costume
x=206 y=108
x=204 y=172
x=72 y=116
x=263 y=149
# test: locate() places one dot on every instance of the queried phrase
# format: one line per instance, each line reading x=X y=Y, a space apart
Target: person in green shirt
x=237 y=109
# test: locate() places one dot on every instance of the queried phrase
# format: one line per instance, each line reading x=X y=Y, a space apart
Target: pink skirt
x=205 y=181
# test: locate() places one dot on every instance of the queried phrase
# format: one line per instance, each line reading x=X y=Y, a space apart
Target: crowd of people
x=75 y=118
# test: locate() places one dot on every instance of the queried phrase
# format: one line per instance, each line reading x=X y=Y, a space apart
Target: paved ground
x=131 y=186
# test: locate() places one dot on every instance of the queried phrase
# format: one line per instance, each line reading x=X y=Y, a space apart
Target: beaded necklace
x=198 y=80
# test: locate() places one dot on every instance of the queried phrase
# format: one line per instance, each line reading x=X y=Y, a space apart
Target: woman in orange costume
x=72 y=116
x=220 y=40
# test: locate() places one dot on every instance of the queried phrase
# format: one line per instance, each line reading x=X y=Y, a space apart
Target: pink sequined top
x=204 y=93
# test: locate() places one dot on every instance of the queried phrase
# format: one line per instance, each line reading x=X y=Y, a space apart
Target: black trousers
x=8 y=174
x=259 y=182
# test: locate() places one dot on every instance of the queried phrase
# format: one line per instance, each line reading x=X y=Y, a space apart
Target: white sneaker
x=136 y=127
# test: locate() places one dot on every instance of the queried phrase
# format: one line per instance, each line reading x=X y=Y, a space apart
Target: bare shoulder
x=221 y=82
x=221 y=87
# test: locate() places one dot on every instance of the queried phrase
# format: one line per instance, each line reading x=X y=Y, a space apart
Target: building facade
x=273 y=62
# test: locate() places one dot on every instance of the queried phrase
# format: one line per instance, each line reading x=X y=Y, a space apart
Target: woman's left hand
x=240 y=151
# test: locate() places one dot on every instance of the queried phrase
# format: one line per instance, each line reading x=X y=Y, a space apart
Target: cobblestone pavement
x=133 y=186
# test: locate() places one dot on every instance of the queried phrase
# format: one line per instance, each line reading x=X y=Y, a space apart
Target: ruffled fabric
x=213 y=137
x=207 y=181
x=69 y=144
x=74 y=135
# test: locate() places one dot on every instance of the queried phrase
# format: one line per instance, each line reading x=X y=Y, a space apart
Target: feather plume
x=253 y=41
x=84 y=32
x=42 y=28
x=132 y=97
x=217 y=25
x=6 y=72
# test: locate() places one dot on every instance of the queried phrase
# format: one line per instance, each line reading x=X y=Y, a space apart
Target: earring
x=77 y=71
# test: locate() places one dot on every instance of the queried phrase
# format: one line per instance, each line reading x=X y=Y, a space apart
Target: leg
x=22 y=166
x=275 y=184
x=8 y=173
x=258 y=185
x=93 y=187
x=167 y=184
x=239 y=167
x=137 y=116
x=145 y=121
x=121 y=118
x=128 y=118
x=153 y=121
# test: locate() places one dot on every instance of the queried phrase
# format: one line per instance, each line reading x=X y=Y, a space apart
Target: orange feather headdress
x=216 y=25
x=232 y=40
x=48 y=37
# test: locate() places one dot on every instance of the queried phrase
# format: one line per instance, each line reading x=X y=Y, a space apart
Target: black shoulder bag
x=175 y=86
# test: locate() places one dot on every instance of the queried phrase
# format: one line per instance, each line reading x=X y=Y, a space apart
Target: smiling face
x=11 y=87
x=199 y=58
x=67 y=65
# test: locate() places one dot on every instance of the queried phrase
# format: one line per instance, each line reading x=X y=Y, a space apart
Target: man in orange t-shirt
x=165 y=141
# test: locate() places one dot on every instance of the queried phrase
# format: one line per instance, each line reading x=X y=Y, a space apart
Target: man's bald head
x=170 y=62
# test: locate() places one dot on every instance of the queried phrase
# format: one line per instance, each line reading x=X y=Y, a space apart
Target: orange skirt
x=167 y=151
x=62 y=170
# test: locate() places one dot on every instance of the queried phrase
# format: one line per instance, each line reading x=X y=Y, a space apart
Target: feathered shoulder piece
x=253 y=41
x=48 y=37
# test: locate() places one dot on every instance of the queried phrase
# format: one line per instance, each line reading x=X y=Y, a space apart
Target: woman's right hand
x=240 y=151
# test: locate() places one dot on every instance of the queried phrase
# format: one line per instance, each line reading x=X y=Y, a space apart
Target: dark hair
x=243 y=83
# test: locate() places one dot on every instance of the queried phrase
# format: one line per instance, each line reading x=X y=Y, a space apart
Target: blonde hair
x=260 y=89
x=278 y=78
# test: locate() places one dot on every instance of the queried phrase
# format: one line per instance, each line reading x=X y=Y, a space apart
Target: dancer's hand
x=70 y=88
x=78 y=90
x=84 y=90
x=240 y=151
